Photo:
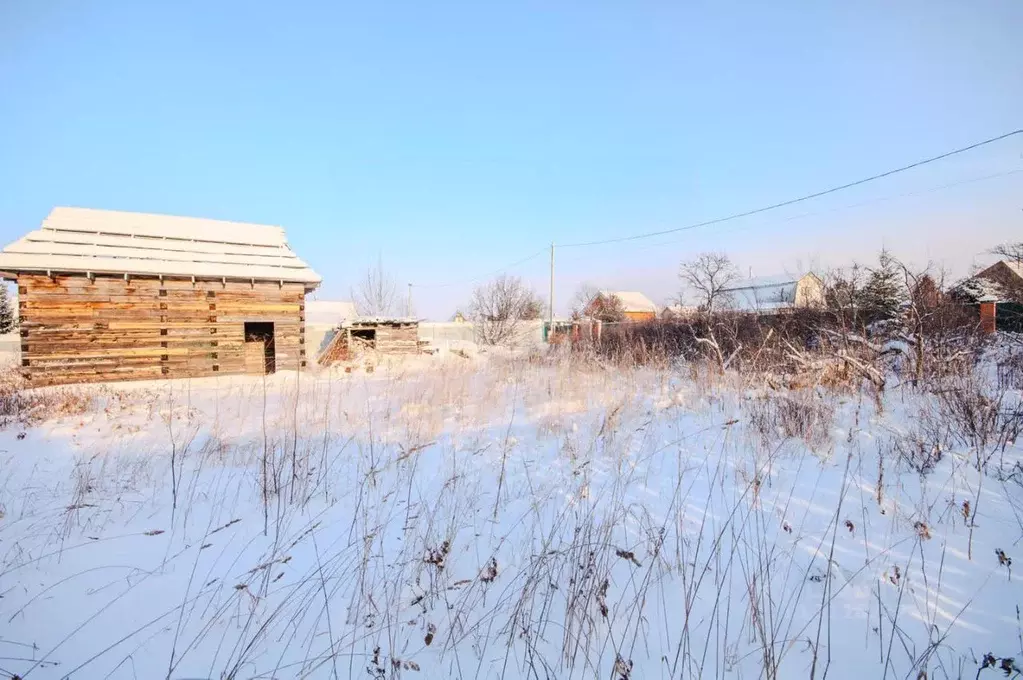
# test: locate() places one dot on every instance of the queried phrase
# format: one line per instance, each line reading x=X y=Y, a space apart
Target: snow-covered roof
x=764 y=281
x=83 y=240
x=1015 y=267
x=978 y=287
x=680 y=310
x=632 y=301
x=762 y=293
x=329 y=312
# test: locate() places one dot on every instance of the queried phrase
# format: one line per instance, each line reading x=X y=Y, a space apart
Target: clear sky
x=453 y=138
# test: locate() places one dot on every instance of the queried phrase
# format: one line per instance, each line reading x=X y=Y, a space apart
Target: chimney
x=988 y=314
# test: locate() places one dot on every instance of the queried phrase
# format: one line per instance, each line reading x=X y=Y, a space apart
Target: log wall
x=74 y=329
x=397 y=338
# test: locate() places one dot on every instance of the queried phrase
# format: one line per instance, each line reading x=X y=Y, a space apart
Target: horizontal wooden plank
x=260 y=306
x=127 y=326
x=93 y=353
x=78 y=284
x=36 y=349
x=41 y=308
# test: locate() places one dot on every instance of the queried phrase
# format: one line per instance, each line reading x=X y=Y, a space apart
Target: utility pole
x=550 y=328
x=409 y=313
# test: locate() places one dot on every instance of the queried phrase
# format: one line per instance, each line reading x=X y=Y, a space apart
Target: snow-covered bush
x=799 y=414
x=985 y=419
x=21 y=405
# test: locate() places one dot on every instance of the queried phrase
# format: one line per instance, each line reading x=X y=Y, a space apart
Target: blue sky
x=452 y=138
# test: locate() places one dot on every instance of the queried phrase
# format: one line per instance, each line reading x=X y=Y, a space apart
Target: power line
x=482 y=276
x=757 y=211
x=828 y=211
x=910 y=194
x=801 y=199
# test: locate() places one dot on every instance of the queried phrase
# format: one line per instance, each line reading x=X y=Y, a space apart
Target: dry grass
x=22 y=406
x=547 y=517
x=800 y=414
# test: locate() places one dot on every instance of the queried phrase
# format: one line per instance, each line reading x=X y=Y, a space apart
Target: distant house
x=635 y=306
x=1001 y=282
x=1007 y=277
x=769 y=294
x=678 y=311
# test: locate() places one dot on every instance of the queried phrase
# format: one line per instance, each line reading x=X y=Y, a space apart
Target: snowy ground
x=501 y=519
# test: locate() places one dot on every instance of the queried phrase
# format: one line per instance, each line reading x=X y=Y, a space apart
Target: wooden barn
x=107 y=295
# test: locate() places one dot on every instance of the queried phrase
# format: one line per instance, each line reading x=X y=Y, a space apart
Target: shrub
x=801 y=415
x=984 y=421
x=24 y=406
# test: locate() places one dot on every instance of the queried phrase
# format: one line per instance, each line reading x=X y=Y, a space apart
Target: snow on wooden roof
x=381 y=321
x=83 y=240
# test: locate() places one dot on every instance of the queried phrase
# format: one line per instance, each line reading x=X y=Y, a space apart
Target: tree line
x=862 y=294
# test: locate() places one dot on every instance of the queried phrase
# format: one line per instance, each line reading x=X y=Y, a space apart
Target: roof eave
x=12 y=273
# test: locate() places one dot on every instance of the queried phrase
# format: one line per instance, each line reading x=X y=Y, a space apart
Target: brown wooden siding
x=74 y=329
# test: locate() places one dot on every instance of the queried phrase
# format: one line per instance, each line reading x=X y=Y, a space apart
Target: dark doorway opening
x=368 y=336
x=260 y=357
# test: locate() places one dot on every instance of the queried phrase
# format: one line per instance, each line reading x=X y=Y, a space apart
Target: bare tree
x=1009 y=251
x=377 y=293
x=498 y=307
x=606 y=308
x=591 y=302
x=706 y=276
x=939 y=329
x=584 y=295
x=843 y=287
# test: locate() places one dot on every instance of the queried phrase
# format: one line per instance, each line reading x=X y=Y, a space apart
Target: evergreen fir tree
x=7 y=320
x=883 y=294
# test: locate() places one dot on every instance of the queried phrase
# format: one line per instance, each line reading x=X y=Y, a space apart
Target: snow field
x=506 y=519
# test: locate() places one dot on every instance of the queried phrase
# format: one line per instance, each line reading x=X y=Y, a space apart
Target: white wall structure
x=528 y=335
x=449 y=335
x=322 y=317
x=452 y=335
